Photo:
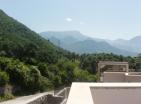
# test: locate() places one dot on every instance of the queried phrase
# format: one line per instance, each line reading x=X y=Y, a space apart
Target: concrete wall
x=121 y=77
x=114 y=77
x=133 y=78
x=116 y=95
x=105 y=93
x=48 y=99
x=41 y=100
x=64 y=93
x=58 y=98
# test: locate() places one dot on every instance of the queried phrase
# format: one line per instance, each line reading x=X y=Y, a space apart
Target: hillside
x=30 y=63
x=18 y=41
x=74 y=41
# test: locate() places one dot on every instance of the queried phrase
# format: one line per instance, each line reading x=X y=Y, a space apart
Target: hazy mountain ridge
x=132 y=45
x=76 y=42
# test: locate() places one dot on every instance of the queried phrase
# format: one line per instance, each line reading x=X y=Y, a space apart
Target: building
x=117 y=85
x=105 y=93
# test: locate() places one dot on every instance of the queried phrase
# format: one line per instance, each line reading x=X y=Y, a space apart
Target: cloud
x=69 y=19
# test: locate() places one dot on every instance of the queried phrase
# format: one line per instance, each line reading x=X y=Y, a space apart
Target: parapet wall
x=48 y=99
x=121 y=77
x=58 y=98
x=114 y=77
x=41 y=100
x=116 y=95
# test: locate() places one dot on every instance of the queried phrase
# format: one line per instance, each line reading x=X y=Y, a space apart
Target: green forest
x=30 y=63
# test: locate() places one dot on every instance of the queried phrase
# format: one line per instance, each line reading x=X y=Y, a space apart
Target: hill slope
x=31 y=63
x=18 y=41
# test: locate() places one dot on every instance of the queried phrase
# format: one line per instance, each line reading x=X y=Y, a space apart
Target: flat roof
x=80 y=93
x=112 y=63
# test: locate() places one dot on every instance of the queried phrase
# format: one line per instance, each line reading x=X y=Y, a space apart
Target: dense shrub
x=7 y=96
x=4 y=78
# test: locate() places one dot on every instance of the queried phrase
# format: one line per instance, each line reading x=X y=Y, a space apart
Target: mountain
x=19 y=41
x=91 y=46
x=30 y=63
x=62 y=38
x=74 y=41
x=64 y=34
x=132 y=45
x=136 y=40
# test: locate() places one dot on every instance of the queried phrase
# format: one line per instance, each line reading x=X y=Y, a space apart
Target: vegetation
x=6 y=97
x=31 y=64
x=4 y=78
x=16 y=40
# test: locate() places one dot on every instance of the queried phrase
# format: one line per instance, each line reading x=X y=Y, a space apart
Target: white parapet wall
x=105 y=93
x=116 y=95
x=42 y=98
x=121 y=77
x=133 y=77
x=114 y=77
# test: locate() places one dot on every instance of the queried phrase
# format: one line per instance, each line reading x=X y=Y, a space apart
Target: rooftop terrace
x=105 y=93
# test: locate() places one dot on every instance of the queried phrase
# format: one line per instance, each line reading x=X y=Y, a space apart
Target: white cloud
x=69 y=19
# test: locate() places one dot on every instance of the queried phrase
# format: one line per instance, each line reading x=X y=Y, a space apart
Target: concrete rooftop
x=121 y=93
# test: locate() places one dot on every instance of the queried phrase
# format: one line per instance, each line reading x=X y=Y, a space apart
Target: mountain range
x=132 y=45
x=75 y=41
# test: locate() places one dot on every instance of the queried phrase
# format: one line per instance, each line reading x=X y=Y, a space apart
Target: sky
x=106 y=19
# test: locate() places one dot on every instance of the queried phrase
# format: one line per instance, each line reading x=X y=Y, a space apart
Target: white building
x=116 y=86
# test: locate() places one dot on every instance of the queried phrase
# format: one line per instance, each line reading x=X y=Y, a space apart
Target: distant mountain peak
x=137 y=38
x=75 y=41
x=64 y=34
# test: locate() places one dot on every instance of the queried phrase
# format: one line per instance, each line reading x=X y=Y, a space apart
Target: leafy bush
x=84 y=76
x=4 y=78
x=7 y=96
x=45 y=84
